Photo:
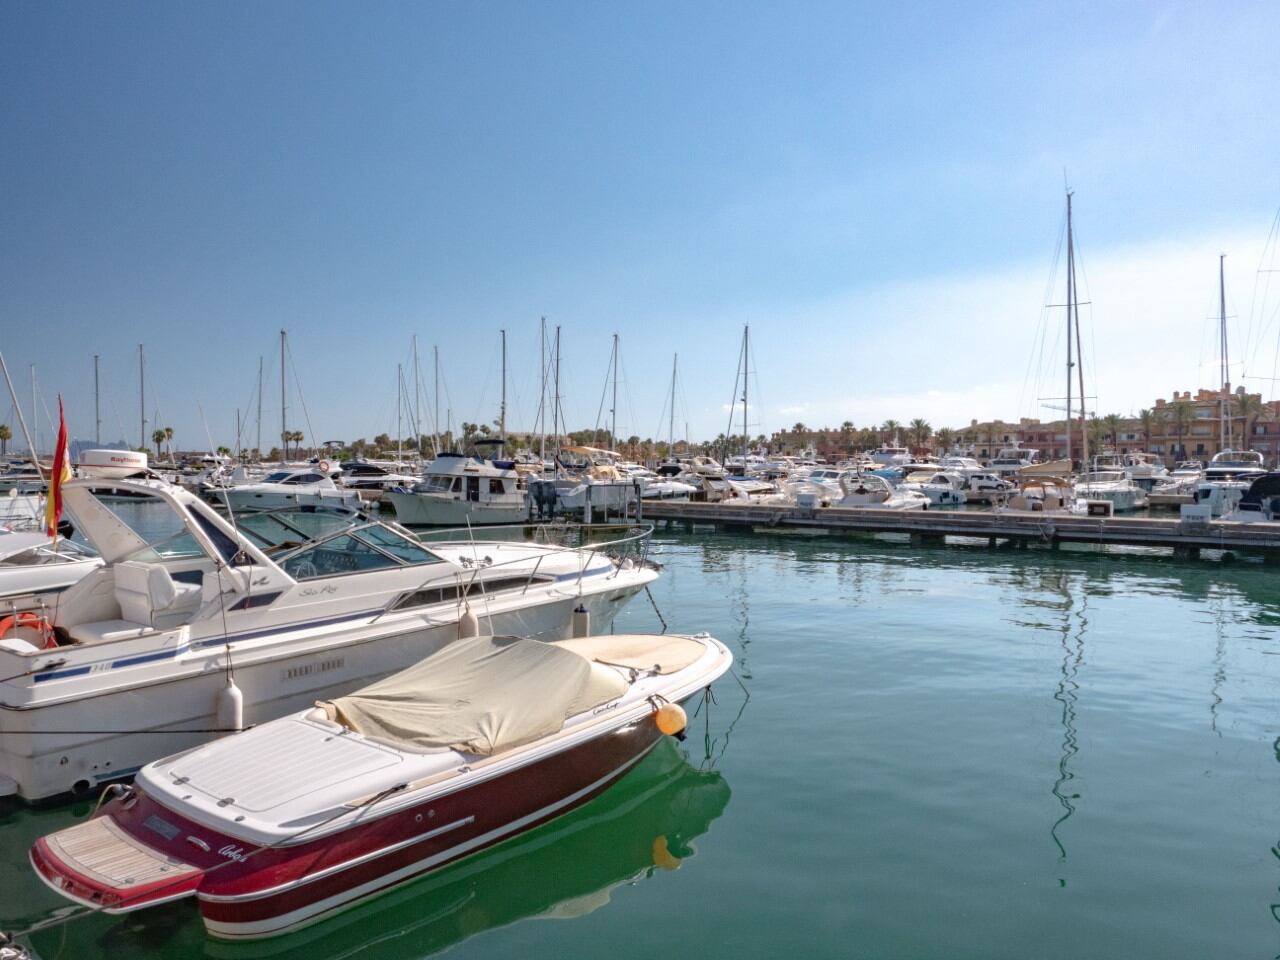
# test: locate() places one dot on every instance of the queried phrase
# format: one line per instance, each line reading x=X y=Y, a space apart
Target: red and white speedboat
x=288 y=822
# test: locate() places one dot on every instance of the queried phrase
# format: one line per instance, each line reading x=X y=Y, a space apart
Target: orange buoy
x=671 y=719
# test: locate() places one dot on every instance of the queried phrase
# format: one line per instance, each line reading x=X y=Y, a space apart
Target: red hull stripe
x=272 y=912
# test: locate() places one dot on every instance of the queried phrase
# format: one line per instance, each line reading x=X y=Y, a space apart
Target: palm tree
x=945 y=437
x=1181 y=414
x=224 y=451
x=1097 y=431
x=920 y=431
x=168 y=439
x=1147 y=418
x=1112 y=421
x=889 y=430
x=157 y=437
x=1248 y=406
x=6 y=434
x=297 y=437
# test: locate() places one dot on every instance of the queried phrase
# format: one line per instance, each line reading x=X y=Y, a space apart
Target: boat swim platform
x=1182 y=537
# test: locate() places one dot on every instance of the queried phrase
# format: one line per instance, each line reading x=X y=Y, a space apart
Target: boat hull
x=430 y=510
x=162 y=714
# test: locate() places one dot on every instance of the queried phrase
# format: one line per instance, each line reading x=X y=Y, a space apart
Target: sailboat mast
x=399 y=397
x=142 y=398
x=284 y=432
x=613 y=427
x=746 y=366
x=555 y=399
x=1224 y=420
x=417 y=398
x=436 y=379
x=671 y=418
x=257 y=443
x=542 y=395
x=97 y=416
x=1071 y=273
x=502 y=411
x=22 y=421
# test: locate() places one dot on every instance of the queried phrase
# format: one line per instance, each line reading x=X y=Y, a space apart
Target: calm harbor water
x=946 y=752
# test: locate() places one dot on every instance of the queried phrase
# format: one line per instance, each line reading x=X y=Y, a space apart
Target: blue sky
x=876 y=189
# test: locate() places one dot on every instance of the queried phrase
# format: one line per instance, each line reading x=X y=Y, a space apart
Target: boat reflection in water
x=644 y=824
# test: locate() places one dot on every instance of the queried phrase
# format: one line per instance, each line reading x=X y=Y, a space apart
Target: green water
x=947 y=752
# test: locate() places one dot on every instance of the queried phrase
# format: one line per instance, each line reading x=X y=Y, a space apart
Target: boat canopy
x=479 y=695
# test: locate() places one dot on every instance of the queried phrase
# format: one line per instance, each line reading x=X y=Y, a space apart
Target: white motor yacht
x=1012 y=459
x=1114 y=486
x=1227 y=479
x=1044 y=496
x=205 y=626
x=308 y=485
x=965 y=466
x=869 y=490
x=457 y=490
x=1260 y=503
x=943 y=488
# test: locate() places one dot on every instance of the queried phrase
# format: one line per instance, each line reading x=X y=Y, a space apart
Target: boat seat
x=102 y=631
x=148 y=595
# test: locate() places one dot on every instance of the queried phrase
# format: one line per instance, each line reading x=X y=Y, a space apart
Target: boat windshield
x=292 y=527
x=372 y=547
x=435 y=484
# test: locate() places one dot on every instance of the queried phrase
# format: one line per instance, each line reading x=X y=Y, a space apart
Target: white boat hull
x=172 y=704
x=429 y=509
x=250 y=499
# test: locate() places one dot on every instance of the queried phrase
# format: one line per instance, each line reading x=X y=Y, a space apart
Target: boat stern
x=100 y=865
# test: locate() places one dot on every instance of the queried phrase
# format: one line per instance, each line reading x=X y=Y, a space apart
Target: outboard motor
x=543 y=495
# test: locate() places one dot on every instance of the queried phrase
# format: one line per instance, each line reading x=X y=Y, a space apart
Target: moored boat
x=287 y=823
x=294 y=606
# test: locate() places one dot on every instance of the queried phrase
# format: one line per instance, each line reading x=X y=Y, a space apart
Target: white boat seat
x=148 y=595
x=103 y=631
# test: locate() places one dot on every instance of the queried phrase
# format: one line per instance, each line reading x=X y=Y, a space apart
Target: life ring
x=29 y=620
x=325 y=466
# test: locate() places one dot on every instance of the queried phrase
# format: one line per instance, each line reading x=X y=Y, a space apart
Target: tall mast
x=671 y=418
x=142 y=397
x=22 y=421
x=417 y=398
x=1071 y=275
x=257 y=445
x=613 y=427
x=284 y=432
x=1223 y=418
x=436 y=379
x=542 y=396
x=555 y=399
x=1075 y=310
x=97 y=416
x=746 y=365
x=399 y=395
x=502 y=411
x=35 y=414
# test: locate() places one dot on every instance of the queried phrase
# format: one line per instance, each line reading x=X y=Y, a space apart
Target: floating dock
x=1183 y=537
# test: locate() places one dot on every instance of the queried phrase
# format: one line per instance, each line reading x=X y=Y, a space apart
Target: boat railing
x=633 y=543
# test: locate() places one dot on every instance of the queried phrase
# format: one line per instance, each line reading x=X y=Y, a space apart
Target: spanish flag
x=61 y=474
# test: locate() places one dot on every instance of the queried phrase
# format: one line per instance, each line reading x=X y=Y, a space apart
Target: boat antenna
x=1223 y=420
x=284 y=430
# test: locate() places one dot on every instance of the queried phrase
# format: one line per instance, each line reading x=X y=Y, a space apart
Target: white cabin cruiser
x=31 y=562
x=1227 y=479
x=307 y=485
x=1260 y=503
x=1012 y=460
x=160 y=643
x=965 y=466
x=869 y=490
x=1114 y=486
x=943 y=488
x=458 y=490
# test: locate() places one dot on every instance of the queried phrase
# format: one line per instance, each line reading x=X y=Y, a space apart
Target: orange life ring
x=325 y=466
x=31 y=621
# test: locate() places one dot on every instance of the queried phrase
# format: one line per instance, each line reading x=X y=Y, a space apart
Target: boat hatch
x=97 y=863
x=284 y=764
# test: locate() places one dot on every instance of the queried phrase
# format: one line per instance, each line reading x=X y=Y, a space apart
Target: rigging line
x=306 y=414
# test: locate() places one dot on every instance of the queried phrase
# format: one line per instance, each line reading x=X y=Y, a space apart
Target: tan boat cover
x=479 y=695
